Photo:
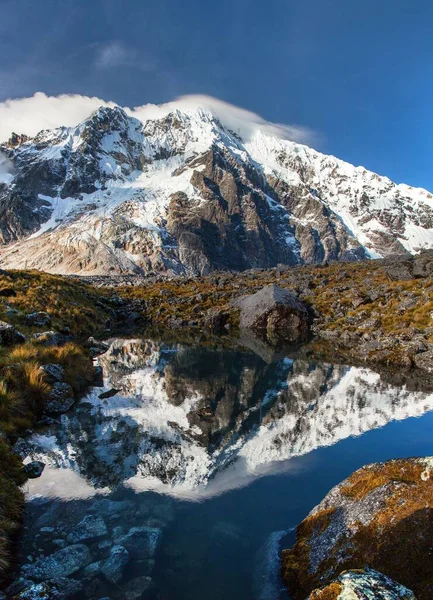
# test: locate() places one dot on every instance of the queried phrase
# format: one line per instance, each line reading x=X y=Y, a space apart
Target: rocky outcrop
x=381 y=516
x=362 y=584
x=9 y=335
x=185 y=195
x=275 y=315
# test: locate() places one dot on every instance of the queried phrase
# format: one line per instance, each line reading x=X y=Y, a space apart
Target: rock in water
x=115 y=564
x=91 y=528
x=382 y=515
x=34 y=469
x=60 y=589
x=362 y=585
x=62 y=563
x=141 y=542
x=139 y=588
x=275 y=315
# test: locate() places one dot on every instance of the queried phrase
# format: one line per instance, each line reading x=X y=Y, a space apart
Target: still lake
x=199 y=461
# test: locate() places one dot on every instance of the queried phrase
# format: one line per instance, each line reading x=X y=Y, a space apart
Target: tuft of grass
x=11 y=501
x=69 y=303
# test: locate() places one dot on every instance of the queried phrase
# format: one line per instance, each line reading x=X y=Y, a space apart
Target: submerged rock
x=362 y=585
x=114 y=566
x=275 y=315
x=141 y=542
x=60 y=589
x=382 y=515
x=139 y=588
x=62 y=563
x=91 y=528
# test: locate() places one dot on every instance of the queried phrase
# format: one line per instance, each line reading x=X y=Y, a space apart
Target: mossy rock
x=380 y=517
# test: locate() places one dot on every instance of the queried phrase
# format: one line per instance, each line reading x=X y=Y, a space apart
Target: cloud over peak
x=31 y=115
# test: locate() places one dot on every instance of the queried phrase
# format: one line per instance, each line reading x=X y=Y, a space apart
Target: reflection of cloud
x=30 y=115
x=63 y=483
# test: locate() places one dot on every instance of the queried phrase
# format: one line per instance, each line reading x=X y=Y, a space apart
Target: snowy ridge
x=120 y=194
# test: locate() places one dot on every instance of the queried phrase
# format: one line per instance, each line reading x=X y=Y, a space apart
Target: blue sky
x=358 y=73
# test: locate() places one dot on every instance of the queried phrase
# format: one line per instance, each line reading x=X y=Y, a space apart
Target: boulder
x=423 y=264
x=141 y=542
x=60 y=589
x=89 y=529
x=215 y=320
x=363 y=584
x=8 y=293
x=424 y=361
x=381 y=516
x=53 y=373
x=51 y=338
x=60 y=398
x=34 y=469
x=275 y=315
x=111 y=509
x=37 y=319
x=62 y=563
x=9 y=335
x=139 y=588
x=114 y=567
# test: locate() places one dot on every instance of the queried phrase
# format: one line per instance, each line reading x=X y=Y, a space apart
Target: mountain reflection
x=194 y=421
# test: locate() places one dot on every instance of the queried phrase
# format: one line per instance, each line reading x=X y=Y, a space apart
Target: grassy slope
x=23 y=390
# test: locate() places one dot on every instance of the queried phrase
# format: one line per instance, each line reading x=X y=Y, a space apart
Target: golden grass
x=69 y=303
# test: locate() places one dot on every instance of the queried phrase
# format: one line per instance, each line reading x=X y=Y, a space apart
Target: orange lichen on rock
x=380 y=517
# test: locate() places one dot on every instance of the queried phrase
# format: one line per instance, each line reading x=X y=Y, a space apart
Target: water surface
x=217 y=449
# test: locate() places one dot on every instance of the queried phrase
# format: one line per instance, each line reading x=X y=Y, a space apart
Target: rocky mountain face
x=183 y=194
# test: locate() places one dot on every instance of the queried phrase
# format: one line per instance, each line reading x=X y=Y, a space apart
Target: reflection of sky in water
x=193 y=422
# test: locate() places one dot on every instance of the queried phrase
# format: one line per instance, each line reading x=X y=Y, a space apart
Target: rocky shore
x=377 y=312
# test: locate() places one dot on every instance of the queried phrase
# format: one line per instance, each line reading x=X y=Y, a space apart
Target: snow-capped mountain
x=185 y=194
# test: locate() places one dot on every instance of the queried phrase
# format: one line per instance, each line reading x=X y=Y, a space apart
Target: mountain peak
x=178 y=192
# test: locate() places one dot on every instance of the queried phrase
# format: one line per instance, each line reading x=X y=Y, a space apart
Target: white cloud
x=113 y=54
x=240 y=120
x=31 y=115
